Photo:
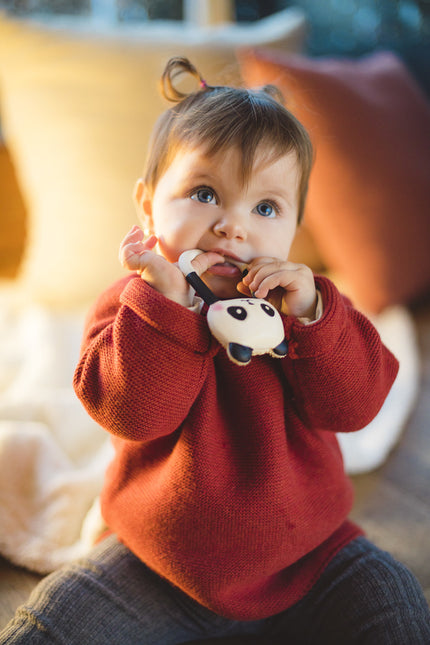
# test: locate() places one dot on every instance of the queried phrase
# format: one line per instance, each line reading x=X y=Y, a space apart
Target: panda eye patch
x=237 y=312
x=267 y=310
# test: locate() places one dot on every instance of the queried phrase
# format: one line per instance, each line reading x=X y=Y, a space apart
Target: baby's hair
x=175 y=67
x=220 y=117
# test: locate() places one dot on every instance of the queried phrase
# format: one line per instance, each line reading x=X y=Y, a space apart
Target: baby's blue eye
x=266 y=210
x=204 y=195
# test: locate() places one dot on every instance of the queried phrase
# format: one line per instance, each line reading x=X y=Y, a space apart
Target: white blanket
x=53 y=456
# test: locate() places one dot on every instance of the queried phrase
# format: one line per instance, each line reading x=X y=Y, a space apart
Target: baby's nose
x=231 y=225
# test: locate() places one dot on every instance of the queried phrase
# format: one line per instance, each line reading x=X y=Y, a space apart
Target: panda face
x=244 y=326
x=251 y=322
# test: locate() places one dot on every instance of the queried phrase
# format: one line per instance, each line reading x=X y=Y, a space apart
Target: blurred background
x=341 y=27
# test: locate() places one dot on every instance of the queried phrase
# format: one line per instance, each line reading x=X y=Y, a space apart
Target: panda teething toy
x=244 y=326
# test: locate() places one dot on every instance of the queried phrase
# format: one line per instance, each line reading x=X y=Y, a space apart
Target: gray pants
x=364 y=596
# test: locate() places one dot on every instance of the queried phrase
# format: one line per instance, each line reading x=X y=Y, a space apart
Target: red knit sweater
x=228 y=480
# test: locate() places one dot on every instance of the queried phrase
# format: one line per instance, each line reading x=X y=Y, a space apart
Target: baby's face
x=201 y=202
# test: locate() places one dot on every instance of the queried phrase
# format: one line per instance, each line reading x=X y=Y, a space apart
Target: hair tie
x=203 y=84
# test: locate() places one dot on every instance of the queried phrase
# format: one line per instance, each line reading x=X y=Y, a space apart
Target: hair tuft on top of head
x=274 y=92
x=175 y=67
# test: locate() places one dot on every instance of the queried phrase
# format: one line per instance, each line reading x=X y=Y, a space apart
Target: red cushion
x=369 y=197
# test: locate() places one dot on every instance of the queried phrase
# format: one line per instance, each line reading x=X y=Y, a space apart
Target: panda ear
x=239 y=354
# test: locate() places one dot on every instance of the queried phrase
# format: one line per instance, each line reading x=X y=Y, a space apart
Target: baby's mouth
x=233 y=266
x=228 y=269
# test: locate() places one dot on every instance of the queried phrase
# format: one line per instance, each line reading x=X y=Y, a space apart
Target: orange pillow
x=369 y=196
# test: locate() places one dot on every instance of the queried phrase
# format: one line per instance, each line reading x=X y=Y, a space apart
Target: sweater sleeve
x=142 y=362
x=338 y=368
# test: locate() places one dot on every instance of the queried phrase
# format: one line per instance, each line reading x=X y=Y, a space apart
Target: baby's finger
x=255 y=266
x=269 y=282
x=130 y=254
x=204 y=261
x=259 y=270
x=135 y=234
x=288 y=275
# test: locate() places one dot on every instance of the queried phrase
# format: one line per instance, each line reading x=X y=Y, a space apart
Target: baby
x=226 y=499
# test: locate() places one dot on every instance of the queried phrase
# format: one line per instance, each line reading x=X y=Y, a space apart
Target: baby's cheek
x=170 y=253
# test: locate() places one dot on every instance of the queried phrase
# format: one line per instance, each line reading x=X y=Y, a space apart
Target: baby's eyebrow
x=201 y=177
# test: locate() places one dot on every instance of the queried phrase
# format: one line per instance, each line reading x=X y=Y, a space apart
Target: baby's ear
x=143 y=204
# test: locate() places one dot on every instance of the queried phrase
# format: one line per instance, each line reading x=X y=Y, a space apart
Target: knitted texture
x=228 y=480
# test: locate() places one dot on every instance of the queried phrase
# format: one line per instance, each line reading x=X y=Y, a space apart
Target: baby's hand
x=288 y=286
x=133 y=247
x=137 y=254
